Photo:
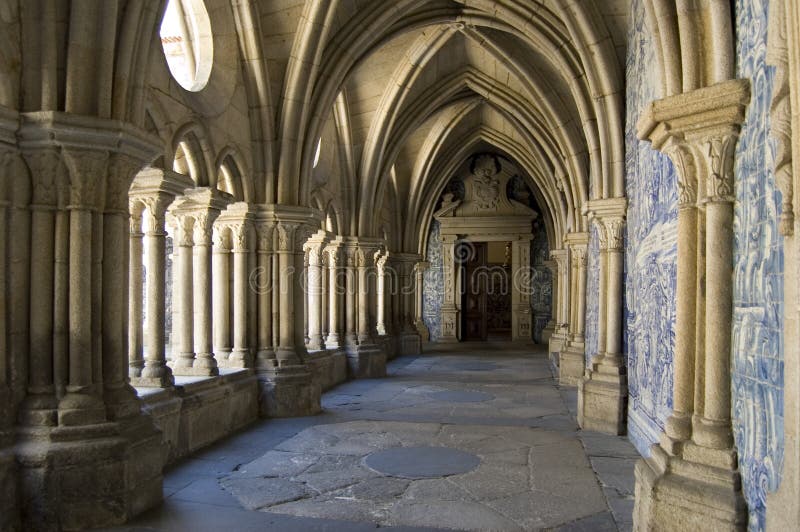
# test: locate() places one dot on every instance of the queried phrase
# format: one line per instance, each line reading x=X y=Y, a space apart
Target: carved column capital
x=266 y=236
x=87 y=171
x=612 y=234
x=182 y=227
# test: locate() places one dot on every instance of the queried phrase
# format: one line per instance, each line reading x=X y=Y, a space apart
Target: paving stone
x=457 y=396
x=256 y=493
x=458 y=515
x=422 y=462
x=277 y=464
x=615 y=473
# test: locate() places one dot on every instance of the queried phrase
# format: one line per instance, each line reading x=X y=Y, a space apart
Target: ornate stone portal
x=486 y=215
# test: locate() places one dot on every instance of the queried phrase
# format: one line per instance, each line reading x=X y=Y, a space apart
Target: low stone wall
x=199 y=411
x=328 y=368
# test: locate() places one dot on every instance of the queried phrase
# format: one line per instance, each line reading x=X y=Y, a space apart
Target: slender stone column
x=335 y=291
x=419 y=322
x=39 y=407
x=351 y=288
x=82 y=404
x=314 y=251
x=183 y=359
x=323 y=299
x=204 y=362
x=287 y=350
x=521 y=286
x=694 y=468
x=679 y=425
x=550 y=327
x=261 y=282
x=155 y=372
x=364 y=263
x=615 y=229
x=221 y=294
x=135 y=293
x=240 y=357
x=715 y=430
x=449 y=312
x=380 y=267
x=602 y=295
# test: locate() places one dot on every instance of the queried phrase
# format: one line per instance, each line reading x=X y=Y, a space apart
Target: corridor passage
x=468 y=437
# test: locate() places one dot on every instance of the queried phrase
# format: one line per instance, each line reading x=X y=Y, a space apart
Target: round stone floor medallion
x=462 y=396
x=422 y=462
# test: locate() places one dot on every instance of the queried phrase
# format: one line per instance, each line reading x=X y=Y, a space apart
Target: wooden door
x=474 y=292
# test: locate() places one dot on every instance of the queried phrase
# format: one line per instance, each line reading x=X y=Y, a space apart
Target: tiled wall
x=758 y=276
x=433 y=283
x=592 y=294
x=650 y=252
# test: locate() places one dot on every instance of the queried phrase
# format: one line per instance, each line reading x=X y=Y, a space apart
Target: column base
x=603 y=400
x=333 y=342
x=288 y=391
x=72 y=478
x=155 y=377
x=9 y=503
x=571 y=366
x=239 y=359
x=195 y=371
x=409 y=344
x=366 y=361
x=422 y=330
x=674 y=493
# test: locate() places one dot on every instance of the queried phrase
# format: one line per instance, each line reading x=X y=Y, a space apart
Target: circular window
x=188 y=43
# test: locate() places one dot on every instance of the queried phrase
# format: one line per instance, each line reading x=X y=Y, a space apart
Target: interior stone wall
x=592 y=293
x=650 y=252
x=758 y=276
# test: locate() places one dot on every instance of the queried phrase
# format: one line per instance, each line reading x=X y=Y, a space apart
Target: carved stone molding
x=266 y=236
x=781 y=112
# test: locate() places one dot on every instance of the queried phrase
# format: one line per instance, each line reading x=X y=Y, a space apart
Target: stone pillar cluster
x=603 y=391
x=572 y=356
x=691 y=477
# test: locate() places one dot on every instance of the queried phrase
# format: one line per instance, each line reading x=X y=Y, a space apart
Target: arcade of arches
x=214 y=211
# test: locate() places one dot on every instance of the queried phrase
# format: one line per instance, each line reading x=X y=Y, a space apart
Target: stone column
x=221 y=295
x=351 y=289
x=419 y=322
x=603 y=392
x=135 y=293
x=240 y=356
x=335 y=291
x=262 y=283
x=156 y=372
x=380 y=270
x=204 y=362
x=521 y=286
x=409 y=340
x=314 y=251
x=550 y=327
x=694 y=468
x=39 y=407
x=449 y=312
x=183 y=326
x=9 y=159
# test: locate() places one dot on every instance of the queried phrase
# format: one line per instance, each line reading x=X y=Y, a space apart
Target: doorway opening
x=485 y=290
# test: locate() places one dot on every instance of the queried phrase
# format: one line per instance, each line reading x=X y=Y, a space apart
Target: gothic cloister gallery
x=430 y=264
